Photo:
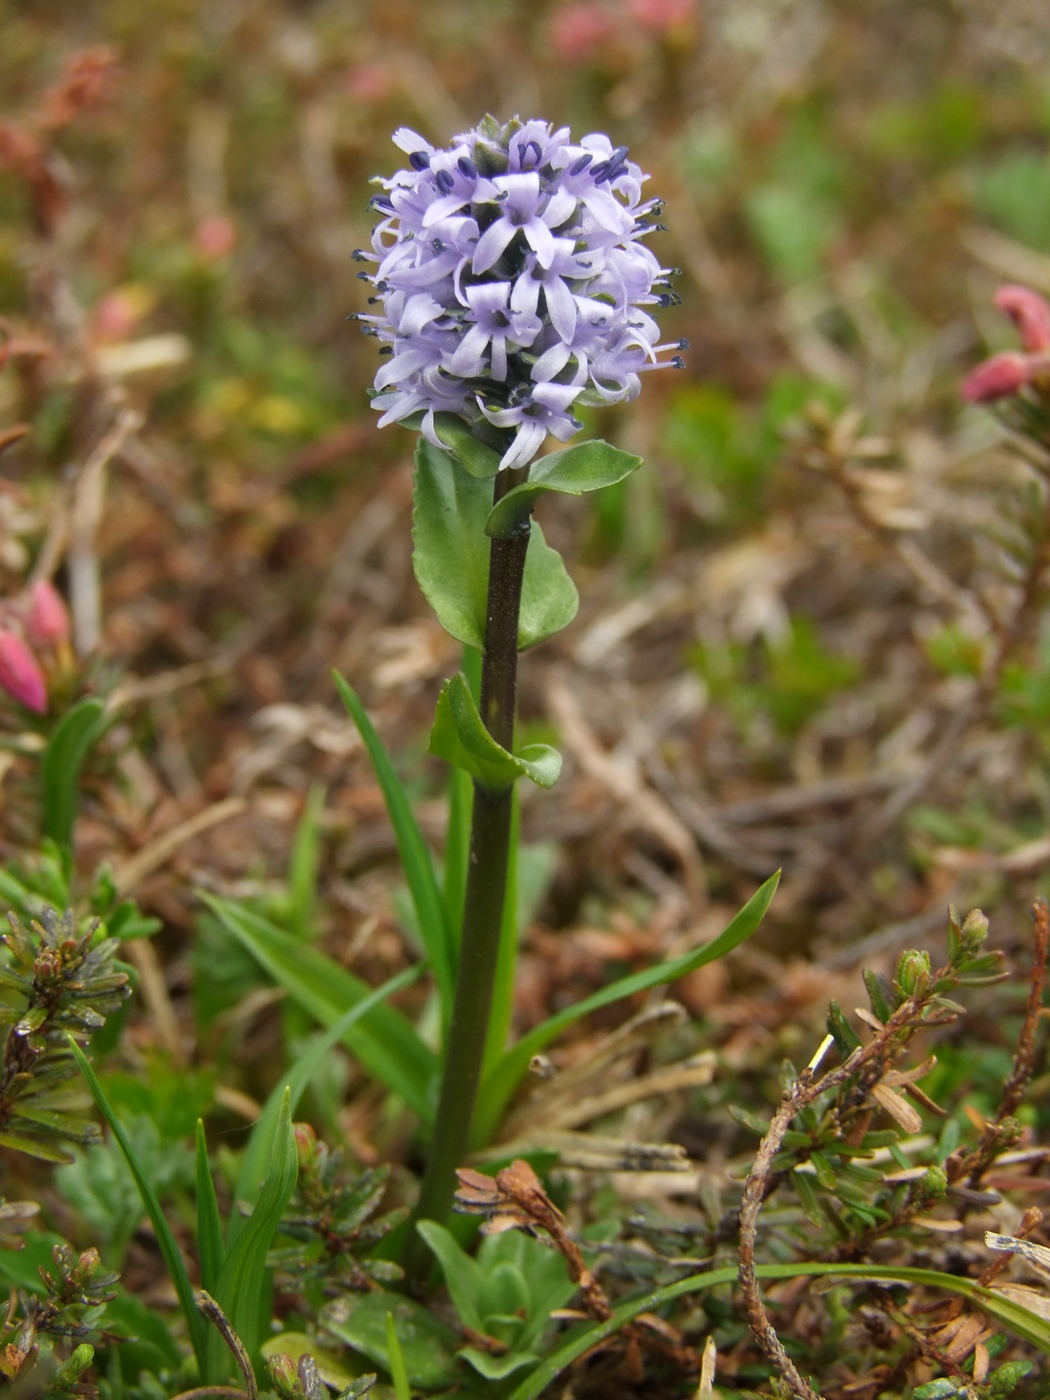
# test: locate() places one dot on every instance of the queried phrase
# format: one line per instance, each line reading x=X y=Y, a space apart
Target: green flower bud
x=973 y=932
x=913 y=972
x=934 y=1184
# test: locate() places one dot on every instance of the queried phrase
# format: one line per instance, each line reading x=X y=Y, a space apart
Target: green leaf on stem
x=589 y=466
x=451 y=552
x=549 y=600
x=68 y=746
x=460 y=737
x=499 y=1085
x=451 y=556
x=473 y=456
x=435 y=928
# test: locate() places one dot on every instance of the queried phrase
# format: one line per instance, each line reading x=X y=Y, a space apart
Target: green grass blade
x=499 y=1085
x=1019 y=1320
x=303 y=865
x=385 y=1043
x=398 y=1369
x=68 y=746
x=165 y=1239
x=415 y=855
x=294 y=1082
x=210 y=1249
x=502 y=1006
x=457 y=850
x=243 y=1280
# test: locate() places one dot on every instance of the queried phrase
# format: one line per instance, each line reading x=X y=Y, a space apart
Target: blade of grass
x=302 y=867
x=68 y=746
x=244 y=1276
x=1025 y=1324
x=415 y=855
x=398 y=1369
x=210 y=1249
x=165 y=1239
x=295 y=1082
x=507 y=959
x=460 y=802
x=385 y=1043
x=499 y=1085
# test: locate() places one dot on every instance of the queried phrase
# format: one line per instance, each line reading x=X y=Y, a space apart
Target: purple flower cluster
x=512 y=278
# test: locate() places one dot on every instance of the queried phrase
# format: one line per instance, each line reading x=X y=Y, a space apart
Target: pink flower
x=577 y=30
x=47 y=621
x=661 y=15
x=214 y=237
x=369 y=82
x=997 y=378
x=20 y=675
x=1030 y=313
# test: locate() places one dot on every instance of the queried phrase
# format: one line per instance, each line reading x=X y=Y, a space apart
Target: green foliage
x=574 y=471
x=53 y=981
x=384 y=1041
x=1013 y=192
x=100 y=1184
x=68 y=745
x=301 y=1380
x=333 y=1221
x=427 y=1346
x=504 y=1296
x=432 y=917
x=451 y=556
x=934 y=130
x=789 y=679
x=460 y=737
x=501 y=1081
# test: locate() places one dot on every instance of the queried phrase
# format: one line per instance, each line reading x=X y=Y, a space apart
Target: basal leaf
x=426 y=1344
x=1018 y=1319
x=499 y=1085
x=294 y=1082
x=239 y=1290
x=435 y=928
x=210 y=1248
x=463 y=1277
x=68 y=746
x=384 y=1041
x=165 y=1239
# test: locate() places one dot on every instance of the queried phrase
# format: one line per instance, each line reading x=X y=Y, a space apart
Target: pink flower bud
x=214 y=237
x=1030 y=313
x=47 y=621
x=576 y=31
x=997 y=378
x=20 y=675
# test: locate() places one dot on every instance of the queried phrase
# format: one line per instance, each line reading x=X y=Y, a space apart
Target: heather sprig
x=56 y=983
x=514 y=281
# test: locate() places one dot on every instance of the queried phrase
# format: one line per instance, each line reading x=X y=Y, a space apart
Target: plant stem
x=485 y=893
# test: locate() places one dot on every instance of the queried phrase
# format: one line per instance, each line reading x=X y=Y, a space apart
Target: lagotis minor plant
x=513 y=277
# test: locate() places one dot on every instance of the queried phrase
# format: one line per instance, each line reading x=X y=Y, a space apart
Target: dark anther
x=619 y=155
x=364 y=277
x=600 y=171
x=437 y=245
x=354 y=316
x=527 y=162
x=419 y=160
x=678 y=362
x=381 y=203
x=579 y=166
x=386 y=349
x=683 y=344
x=359 y=255
x=467 y=167
x=444 y=182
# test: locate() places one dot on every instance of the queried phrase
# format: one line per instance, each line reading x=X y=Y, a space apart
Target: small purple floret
x=512 y=280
